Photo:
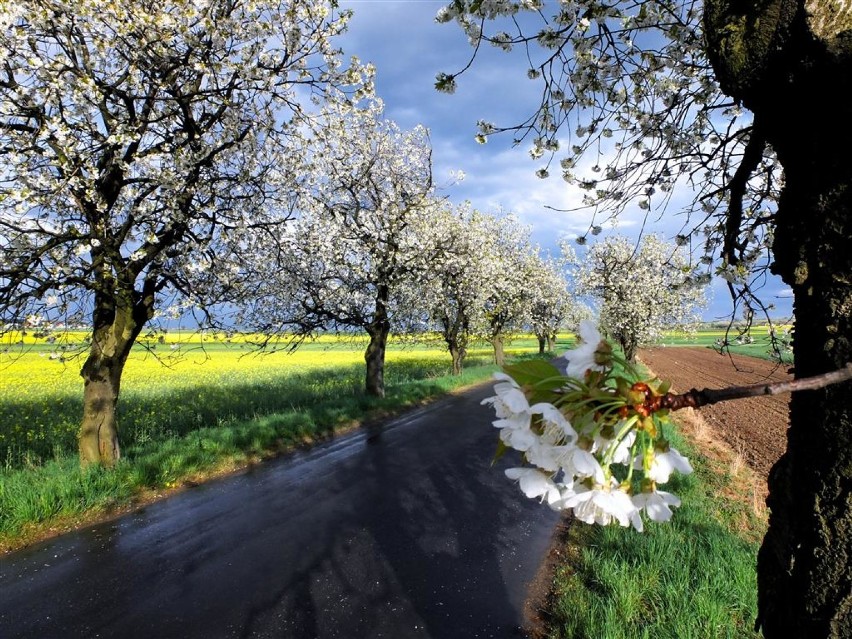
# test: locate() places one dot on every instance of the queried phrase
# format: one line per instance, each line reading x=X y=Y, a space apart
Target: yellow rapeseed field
x=187 y=380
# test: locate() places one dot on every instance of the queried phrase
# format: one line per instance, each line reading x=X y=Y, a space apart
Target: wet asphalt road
x=408 y=533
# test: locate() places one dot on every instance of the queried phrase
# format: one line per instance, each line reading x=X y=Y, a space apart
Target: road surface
x=407 y=533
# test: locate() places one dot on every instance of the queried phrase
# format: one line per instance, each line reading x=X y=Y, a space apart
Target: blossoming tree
x=476 y=285
x=553 y=306
x=642 y=90
x=136 y=138
x=360 y=240
x=642 y=289
x=455 y=291
x=509 y=301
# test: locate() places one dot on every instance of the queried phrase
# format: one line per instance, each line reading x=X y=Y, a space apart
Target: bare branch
x=695 y=398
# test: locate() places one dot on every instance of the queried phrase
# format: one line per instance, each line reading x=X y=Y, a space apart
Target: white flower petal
x=534 y=484
x=656 y=504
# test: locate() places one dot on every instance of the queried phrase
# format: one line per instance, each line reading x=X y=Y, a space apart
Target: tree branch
x=695 y=398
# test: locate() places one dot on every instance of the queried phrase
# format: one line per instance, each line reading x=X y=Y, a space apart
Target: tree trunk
x=551 y=342
x=116 y=327
x=792 y=66
x=542 y=342
x=378 y=331
x=499 y=354
x=805 y=564
x=98 y=435
x=375 y=358
x=457 y=353
x=455 y=333
x=628 y=345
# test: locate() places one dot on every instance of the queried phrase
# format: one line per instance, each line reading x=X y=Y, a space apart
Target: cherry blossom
x=657 y=504
x=598 y=447
x=535 y=484
x=663 y=463
x=603 y=505
x=583 y=357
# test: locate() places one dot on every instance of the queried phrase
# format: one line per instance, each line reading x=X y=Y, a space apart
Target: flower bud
x=647 y=424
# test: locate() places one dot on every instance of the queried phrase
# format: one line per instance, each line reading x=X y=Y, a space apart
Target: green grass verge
x=208 y=431
x=760 y=347
x=691 y=578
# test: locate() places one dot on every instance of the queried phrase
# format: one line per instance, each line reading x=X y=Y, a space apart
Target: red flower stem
x=695 y=398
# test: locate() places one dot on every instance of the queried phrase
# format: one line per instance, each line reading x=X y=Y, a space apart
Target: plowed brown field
x=755 y=428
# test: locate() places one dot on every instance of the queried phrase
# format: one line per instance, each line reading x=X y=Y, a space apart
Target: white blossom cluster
x=629 y=111
x=591 y=441
x=140 y=141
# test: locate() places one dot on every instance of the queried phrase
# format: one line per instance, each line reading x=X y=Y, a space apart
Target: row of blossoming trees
x=221 y=159
x=373 y=249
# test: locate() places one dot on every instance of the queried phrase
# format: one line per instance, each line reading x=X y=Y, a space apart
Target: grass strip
x=55 y=495
x=691 y=578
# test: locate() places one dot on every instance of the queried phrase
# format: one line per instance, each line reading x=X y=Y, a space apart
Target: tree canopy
x=630 y=112
x=137 y=142
x=360 y=240
x=641 y=290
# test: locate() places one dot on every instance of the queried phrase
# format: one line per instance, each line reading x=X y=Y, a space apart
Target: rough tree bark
x=629 y=344
x=455 y=333
x=790 y=63
x=457 y=353
x=542 y=343
x=117 y=322
x=378 y=330
x=375 y=358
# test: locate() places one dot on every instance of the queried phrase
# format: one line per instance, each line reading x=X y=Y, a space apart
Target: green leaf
x=547 y=396
x=536 y=373
x=501 y=450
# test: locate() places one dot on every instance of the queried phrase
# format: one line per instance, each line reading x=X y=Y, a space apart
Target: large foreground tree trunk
x=791 y=64
x=116 y=327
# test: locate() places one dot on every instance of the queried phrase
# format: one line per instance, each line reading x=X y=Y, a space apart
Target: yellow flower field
x=174 y=389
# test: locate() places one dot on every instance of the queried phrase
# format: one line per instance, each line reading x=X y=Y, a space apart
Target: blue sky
x=408 y=49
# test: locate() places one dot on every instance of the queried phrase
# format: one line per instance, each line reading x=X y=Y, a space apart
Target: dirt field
x=755 y=428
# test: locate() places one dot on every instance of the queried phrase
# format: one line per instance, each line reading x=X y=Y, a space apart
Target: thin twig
x=695 y=398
